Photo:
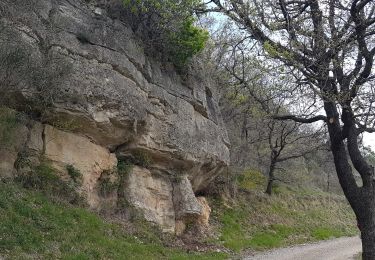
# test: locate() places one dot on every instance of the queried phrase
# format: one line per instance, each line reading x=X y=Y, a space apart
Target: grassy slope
x=33 y=227
x=256 y=221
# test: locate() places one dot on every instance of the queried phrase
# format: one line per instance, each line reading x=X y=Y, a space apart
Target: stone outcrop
x=152 y=194
x=205 y=214
x=112 y=102
x=62 y=149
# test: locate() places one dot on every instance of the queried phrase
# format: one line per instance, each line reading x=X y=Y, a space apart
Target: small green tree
x=169 y=26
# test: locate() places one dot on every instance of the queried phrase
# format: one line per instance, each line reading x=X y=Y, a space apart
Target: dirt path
x=336 y=249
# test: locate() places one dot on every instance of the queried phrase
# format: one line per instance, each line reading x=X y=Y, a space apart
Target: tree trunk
x=366 y=224
x=361 y=199
x=368 y=242
x=271 y=177
x=269 y=186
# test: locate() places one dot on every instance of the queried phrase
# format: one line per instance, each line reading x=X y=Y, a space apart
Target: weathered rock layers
x=114 y=103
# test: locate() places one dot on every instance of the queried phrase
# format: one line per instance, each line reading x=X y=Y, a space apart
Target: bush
x=74 y=173
x=9 y=121
x=42 y=177
x=123 y=167
x=169 y=27
x=142 y=158
x=187 y=42
x=137 y=157
x=251 y=179
x=108 y=183
x=45 y=179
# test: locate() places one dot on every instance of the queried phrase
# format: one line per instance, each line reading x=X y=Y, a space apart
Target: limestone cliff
x=114 y=104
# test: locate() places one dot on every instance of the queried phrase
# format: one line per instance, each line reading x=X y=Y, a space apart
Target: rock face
x=113 y=102
x=152 y=194
x=63 y=149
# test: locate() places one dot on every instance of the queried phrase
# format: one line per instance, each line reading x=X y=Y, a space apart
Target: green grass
x=291 y=216
x=34 y=227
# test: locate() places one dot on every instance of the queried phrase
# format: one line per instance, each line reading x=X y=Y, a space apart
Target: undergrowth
x=34 y=227
x=292 y=216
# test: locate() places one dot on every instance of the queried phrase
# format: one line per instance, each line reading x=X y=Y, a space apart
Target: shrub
x=74 y=173
x=169 y=27
x=251 y=179
x=23 y=160
x=187 y=42
x=108 y=183
x=65 y=124
x=44 y=178
x=142 y=158
x=10 y=120
x=123 y=167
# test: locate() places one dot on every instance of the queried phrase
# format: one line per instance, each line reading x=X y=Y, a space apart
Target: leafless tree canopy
x=328 y=46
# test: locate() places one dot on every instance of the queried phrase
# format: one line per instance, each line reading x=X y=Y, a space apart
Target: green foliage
x=23 y=160
x=271 y=50
x=33 y=226
x=323 y=233
x=44 y=178
x=170 y=27
x=290 y=217
x=142 y=158
x=124 y=167
x=65 y=124
x=274 y=52
x=273 y=236
x=369 y=155
x=9 y=121
x=108 y=183
x=232 y=234
x=187 y=42
x=74 y=173
x=251 y=179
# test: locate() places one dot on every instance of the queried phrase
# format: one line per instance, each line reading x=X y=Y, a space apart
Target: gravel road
x=336 y=249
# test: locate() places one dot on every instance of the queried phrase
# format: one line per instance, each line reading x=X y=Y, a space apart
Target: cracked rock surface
x=114 y=101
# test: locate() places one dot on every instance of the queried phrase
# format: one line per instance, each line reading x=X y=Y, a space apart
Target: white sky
x=369 y=140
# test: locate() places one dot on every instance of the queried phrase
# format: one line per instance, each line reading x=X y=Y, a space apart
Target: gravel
x=336 y=249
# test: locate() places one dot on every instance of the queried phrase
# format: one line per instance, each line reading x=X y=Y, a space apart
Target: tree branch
x=301 y=119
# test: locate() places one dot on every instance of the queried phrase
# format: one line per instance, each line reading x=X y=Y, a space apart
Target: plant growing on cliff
x=23 y=72
x=45 y=179
x=142 y=158
x=108 y=182
x=9 y=121
x=124 y=167
x=169 y=27
x=75 y=174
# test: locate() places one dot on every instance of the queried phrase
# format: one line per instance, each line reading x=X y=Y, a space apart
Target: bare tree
x=329 y=47
x=277 y=140
x=287 y=142
x=256 y=100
